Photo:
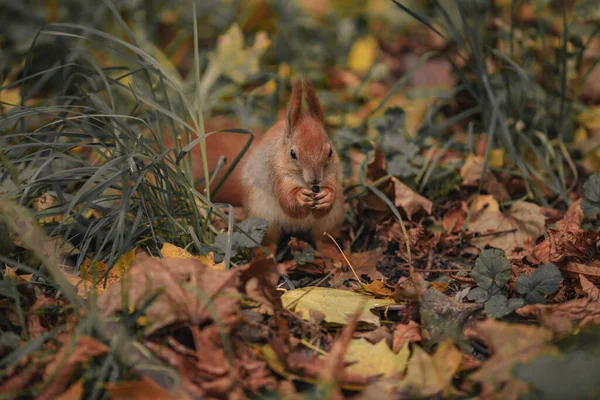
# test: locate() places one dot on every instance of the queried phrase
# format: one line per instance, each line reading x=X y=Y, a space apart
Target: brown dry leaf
x=405 y=333
x=564 y=318
x=74 y=392
x=143 y=389
x=566 y=240
x=260 y=278
x=590 y=269
x=455 y=218
x=67 y=362
x=365 y=263
x=471 y=174
x=410 y=201
x=523 y=220
x=589 y=288
x=509 y=344
x=332 y=369
x=182 y=281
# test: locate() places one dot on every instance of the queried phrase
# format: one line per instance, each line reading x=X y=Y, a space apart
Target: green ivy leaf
x=491 y=269
x=478 y=295
x=545 y=280
x=590 y=205
x=499 y=306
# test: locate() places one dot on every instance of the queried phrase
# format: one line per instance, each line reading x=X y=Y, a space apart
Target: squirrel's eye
x=293 y=154
x=330 y=152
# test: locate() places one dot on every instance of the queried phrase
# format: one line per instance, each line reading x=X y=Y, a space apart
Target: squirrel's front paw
x=324 y=200
x=305 y=198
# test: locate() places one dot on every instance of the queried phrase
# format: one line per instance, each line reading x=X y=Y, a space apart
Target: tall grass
x=518 y=95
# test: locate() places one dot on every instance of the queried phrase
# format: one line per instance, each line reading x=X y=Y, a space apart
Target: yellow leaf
x=496 y=158
x=590 y=118
x=169 y=250
x=336 y=305
x=488 y=201
x=363 y=54
x=428 y=375
x=581 y=135
x=375 y=359
x=440 y=286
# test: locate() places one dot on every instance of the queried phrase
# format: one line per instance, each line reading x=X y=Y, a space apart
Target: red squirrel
x=291 y=175
x=292 y=178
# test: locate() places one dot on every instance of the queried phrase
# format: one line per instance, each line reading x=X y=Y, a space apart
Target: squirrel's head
x=310 y=154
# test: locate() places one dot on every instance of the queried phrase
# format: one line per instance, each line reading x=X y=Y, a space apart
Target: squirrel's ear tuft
x=295 y=106
x=314 y=106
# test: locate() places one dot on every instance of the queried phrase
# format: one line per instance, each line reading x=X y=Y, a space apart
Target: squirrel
x=292 y=178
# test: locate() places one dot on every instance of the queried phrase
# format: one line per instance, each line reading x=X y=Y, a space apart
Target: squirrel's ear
x=314 y=107
x=295 y=106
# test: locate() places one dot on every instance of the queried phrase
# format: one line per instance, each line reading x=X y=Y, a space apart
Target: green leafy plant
x=545 y=280
x=590 y=205
x=491 y=273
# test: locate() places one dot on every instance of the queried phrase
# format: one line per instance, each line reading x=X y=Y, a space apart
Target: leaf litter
x=454 y=281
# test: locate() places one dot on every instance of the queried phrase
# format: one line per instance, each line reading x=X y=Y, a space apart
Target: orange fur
x=293 y=156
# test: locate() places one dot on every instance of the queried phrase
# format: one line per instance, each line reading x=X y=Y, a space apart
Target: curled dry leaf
x=67 y=362
x=508 y=230
x=591 y=269
x=564 y=318
x=410 y=201
x=186 y=285
x=589 y=288
x=567 y=240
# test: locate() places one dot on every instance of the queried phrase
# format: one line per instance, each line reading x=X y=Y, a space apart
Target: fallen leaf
x=591 y=269
x=74 y=392
x=67 y=362
x=370 y=360
x=523 y=220
x=567 y=241
x=509 y=344
x=428 y=375
x=410 y=201
x=454 y=219
x=337 y=305
x=564 y=318
x=183 y=287
x=471 y=174
x=405 y=333
x=143 y=389
x=589 y=288
x=443 y=318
